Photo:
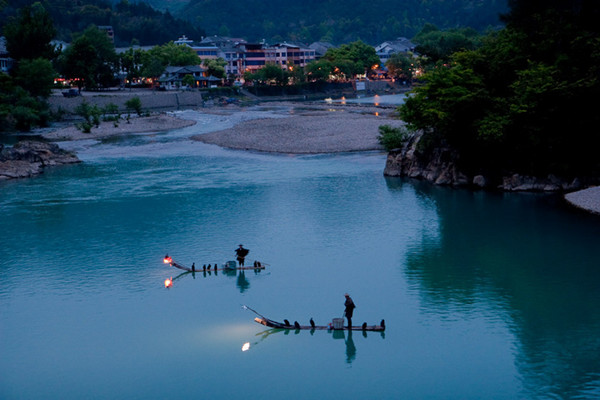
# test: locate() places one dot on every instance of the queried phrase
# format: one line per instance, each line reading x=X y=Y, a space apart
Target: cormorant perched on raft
x=286 y=322
x=194 y=267
x=364 y=326
x=296 y=325
x=204 y=267
x=382 y=323
x=209 y=267
x=312 y=323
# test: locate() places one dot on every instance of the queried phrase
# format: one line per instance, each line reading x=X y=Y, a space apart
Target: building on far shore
x=173 y=77
x=6 y=63
x=386 y=49
x=320 y=48
x=241 y=56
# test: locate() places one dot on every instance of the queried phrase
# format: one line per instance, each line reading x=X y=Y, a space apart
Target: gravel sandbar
x=320 y=132
x=153 y=123
x=587 y=199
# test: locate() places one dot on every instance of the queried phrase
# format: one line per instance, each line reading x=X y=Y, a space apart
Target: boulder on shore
x=440 y=166
x=28 y=158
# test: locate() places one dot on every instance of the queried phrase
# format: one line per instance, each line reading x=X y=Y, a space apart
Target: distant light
x=246 y=346
x=168 y=282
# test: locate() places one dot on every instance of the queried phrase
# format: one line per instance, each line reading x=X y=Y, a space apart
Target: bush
x=111 y=112
x=91 y=115
x=392 y=138
x=134 y=104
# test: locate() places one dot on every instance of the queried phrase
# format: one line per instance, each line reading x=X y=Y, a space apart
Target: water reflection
x=346 y=336
x=511 y=267
x=241 y=281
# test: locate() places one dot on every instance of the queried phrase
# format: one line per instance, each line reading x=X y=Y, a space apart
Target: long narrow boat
x=227 y=267
x=279 y=325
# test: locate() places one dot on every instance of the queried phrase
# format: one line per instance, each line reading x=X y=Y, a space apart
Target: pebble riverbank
x=313 y=130
x=587 y=199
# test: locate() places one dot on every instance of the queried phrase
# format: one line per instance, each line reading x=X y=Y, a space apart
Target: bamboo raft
x=295 y=326
x=229 y=266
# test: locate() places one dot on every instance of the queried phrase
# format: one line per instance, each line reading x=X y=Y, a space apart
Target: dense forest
x=307 y=21
x=132 y=22
x=338 y=22
x=525 y=101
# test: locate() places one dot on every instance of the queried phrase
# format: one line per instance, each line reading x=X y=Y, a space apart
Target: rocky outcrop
x=439 y=166
x=29 y=158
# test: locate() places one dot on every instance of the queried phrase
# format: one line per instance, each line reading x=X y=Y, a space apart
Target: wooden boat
x=279 y=325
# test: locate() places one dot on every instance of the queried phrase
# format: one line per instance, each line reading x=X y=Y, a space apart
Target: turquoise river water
x=485 y=295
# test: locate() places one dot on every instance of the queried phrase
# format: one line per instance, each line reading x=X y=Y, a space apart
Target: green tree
x=91 y=59
x=155 y=60
x=353 y=58
x=402 y=66
x=392 y=138
x=36 y=76
x=215 y=67
x=439 y=45
x=520 y=102
x=273 y=74
x=188 y=80
x=131 y=63
x=29 y=35
x=318 y=71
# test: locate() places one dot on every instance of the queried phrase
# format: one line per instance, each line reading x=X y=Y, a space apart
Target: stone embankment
x=440 y=167
x=29 y=158
x=151 y=99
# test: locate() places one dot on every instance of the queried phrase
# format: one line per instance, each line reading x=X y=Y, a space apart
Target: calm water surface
x=485 y=295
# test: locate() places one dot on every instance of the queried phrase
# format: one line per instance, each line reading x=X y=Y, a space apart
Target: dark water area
x=485 y=295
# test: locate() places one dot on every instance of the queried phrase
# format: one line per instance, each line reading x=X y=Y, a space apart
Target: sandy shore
x=316 y=131
x=153 y=123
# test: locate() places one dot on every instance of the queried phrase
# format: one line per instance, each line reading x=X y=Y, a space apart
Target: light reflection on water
x=484 y=294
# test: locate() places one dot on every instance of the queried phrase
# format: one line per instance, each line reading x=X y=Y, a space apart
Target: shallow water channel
x=485 y=295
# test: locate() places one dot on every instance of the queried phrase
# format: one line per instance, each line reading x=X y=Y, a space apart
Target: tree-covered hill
x=338 y=21
x=130 y=21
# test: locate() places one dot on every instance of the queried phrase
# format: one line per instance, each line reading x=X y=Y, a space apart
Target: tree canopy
x=523 y=101
x=91 y=59
x=334 y=21
x=131 y=21
x=28 y=36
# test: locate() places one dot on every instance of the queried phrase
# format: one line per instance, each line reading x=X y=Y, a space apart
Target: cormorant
x=286 y=322
x=312 y=323
x=296 y=325
x=382 y=323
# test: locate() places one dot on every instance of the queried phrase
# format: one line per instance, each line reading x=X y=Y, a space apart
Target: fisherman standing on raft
x=349 y=304
x=241 y=254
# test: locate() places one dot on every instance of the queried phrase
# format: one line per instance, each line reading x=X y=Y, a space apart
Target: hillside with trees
x=132 y=22
x=524 y=101
x=338 y=22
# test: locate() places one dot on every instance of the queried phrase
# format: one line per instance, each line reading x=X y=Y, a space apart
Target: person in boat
x=349 y=304
x=241 y=254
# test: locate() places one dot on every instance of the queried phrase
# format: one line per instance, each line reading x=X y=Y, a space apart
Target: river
x=485 y=295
